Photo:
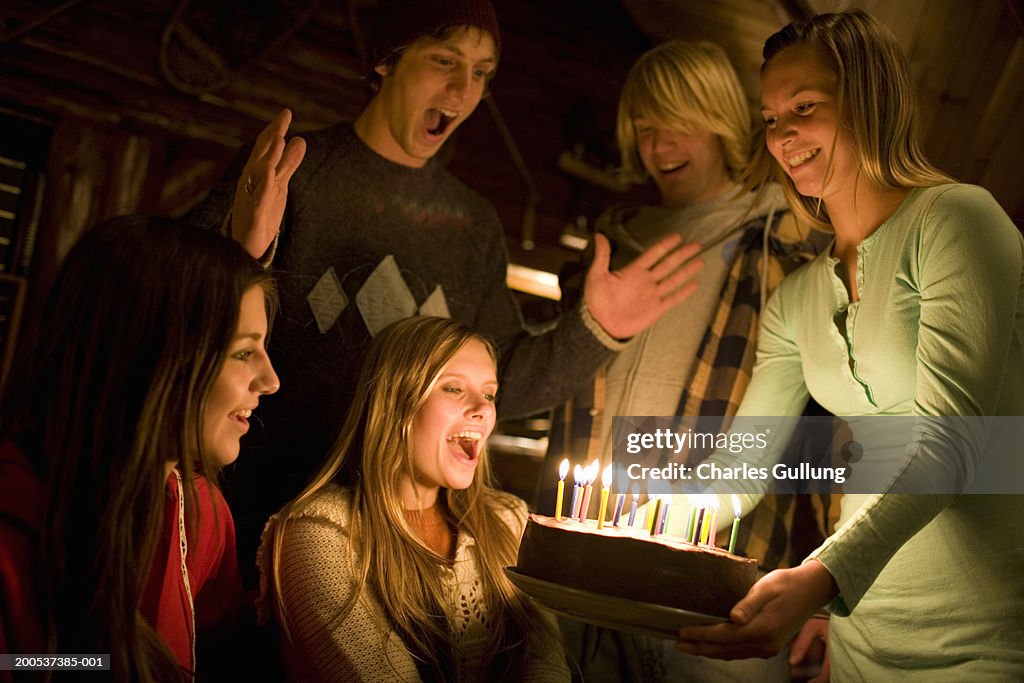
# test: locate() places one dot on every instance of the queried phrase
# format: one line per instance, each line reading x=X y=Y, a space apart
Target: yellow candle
x=606 y=480
x=705 y=527
x=653 y=508
x=563 y=470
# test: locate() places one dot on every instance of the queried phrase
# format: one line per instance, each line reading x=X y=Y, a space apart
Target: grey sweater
x=365 y=242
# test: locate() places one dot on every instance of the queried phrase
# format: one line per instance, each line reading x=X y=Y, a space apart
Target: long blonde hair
x=877 y=104
x=372 y=456
x=684 y=86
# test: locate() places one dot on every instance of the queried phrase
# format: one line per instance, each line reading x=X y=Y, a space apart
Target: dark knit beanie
x=397 y=23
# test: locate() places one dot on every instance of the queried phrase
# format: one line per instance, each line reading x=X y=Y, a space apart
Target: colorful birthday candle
x=606 y=481
x=666 y=504
x=698 y=520
x=653 y=510
x=693 y=516
x=563 y=470
x=577 y=477
x=632 y=510
x=714 y=521
x=620 y=498
x=591 y=475
x=735 y=523
x=705 y=527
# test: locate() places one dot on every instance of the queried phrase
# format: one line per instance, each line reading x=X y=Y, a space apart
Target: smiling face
x=427 y=94
x=801 y=113
x=450 y=429
x=245 y=375
x=688 y=168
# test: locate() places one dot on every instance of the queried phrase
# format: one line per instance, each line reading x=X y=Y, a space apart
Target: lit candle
x=632 y=510
x=653 y=508
x=666 y=504
x=577 y=477
x=705 y=527
x=588 y=489
x=620 y=498
x=735 y=524
x=563 y=470
x=693 y=517
x=698 y=520
x=606 y=481
x=714 y=521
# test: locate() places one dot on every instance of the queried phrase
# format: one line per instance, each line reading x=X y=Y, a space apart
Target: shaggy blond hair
x=877 y=104
x=373 y=455
x=685 y=87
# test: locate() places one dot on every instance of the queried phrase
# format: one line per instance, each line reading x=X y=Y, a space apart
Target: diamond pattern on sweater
x=327 y=299
x=384 y=297
x=436 y=304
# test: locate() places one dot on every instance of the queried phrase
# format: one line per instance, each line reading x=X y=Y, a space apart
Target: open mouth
x=439 y=120
x=468 y=443
x=241 y=418
x=802 y=157
x=666 y=169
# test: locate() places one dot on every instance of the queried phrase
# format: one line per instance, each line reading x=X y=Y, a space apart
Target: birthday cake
x=632 y=564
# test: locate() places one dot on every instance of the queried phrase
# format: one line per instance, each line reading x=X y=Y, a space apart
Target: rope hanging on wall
x=207 y=44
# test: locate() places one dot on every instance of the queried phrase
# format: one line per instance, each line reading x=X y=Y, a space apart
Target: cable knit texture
x=317 y=572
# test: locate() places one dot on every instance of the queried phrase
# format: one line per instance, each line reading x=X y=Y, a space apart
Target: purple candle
x=632 y=510
x=617 y=513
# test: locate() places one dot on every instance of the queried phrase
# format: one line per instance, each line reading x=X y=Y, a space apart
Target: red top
x=212 y=565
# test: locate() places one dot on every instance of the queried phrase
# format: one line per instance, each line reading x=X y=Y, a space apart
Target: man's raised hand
x=262 y=190
x=626 y=302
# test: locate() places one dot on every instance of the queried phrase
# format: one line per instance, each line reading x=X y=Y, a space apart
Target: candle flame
x=606 y=476
x=635 y=490
x=736 y=505
x=714 y=502
x=563 y=469
x=592 y=471
x=577 y=474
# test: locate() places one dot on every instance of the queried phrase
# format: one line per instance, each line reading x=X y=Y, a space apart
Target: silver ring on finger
x=250 y=185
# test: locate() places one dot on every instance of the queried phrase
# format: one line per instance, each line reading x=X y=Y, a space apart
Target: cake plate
x=620 y=614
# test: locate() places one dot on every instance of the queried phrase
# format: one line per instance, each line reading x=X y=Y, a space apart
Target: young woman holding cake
x=917 y=309
x=113 y=539
x=389 y=565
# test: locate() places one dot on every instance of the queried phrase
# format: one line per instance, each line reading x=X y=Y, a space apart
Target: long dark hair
x=110 y=389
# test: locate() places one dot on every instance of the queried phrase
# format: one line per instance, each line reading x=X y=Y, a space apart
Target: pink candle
x=589 y=489
x=577 y=475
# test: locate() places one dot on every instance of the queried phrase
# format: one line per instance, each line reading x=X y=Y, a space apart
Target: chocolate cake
x=632 y=564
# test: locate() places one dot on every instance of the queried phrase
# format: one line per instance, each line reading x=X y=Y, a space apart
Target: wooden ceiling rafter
x=28 y=25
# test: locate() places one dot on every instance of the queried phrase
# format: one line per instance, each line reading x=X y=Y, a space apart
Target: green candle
x=690 y=523
x=735 y=523
x=735 y=533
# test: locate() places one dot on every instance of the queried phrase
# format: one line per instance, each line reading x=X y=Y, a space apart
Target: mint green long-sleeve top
x=929 y=584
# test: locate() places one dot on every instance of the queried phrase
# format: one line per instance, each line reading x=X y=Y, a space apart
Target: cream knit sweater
x=316 y=581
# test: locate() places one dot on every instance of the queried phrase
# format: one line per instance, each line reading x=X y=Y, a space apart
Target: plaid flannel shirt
x=782 y=529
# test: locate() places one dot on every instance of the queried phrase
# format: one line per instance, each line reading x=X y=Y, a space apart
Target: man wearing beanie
x=375 y=230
